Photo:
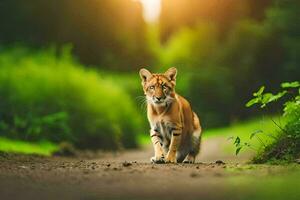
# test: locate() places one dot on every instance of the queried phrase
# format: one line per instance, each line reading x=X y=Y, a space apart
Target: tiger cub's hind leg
x=190 y=158
x=195 y=142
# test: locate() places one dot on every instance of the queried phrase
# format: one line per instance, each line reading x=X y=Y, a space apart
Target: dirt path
x=129 y=175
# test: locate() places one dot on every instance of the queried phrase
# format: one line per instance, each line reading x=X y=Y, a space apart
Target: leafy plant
x=239 y=145
x=45 y=95
x=265 y=98
x=287 y=145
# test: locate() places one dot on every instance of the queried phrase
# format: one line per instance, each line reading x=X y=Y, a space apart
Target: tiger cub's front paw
x=171 y=158
x=158 y=160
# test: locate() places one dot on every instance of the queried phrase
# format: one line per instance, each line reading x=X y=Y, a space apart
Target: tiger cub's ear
x=171 y=74
x=145 y=74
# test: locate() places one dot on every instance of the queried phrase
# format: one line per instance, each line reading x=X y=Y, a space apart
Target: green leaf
x=277 y=96
x=254 y=133
x=291 y=107
x=252 y=102
x=294 y=84
x=259 y=92
x=237 y=141
x=237 y=151
x=266 y=97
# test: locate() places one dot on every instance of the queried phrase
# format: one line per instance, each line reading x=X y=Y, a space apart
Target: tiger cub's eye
x=151 y=87
x=164 y=87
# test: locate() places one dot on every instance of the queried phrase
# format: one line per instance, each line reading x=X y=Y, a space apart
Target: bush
x=286 y=146
x=48 y=96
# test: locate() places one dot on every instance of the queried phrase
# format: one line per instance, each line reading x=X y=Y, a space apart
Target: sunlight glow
x=151 y=10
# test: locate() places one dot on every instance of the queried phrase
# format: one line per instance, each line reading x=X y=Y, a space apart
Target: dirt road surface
x=130 y=175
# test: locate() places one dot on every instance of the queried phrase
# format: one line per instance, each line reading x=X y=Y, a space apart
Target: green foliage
x=221 y=58
x=183 y=49
x=241 y=143
x=222 y=66
x=106 y=33
x=37 y=128
x=45 y=96
x=265 y=98
x=18 y=146
x=223 y=49
x=194 y=51
x=287 y=145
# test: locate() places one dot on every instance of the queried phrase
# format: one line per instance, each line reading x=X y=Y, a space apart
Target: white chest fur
x=163 y=128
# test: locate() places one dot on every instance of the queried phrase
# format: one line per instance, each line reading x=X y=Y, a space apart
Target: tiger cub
x=175 y=129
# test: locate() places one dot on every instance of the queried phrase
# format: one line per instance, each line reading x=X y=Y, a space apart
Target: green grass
x=17 y=146
x=245 y=128
x=264 y=125
x=257 y=184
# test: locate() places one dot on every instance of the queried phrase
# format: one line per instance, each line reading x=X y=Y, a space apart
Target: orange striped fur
x=175 y=129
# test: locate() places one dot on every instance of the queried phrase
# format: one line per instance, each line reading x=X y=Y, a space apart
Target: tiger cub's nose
x=158 y=98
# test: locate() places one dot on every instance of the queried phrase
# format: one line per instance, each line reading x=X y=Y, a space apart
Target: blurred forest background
x=69 y=68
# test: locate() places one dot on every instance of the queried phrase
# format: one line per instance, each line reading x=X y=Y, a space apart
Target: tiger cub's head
x=159 y=88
